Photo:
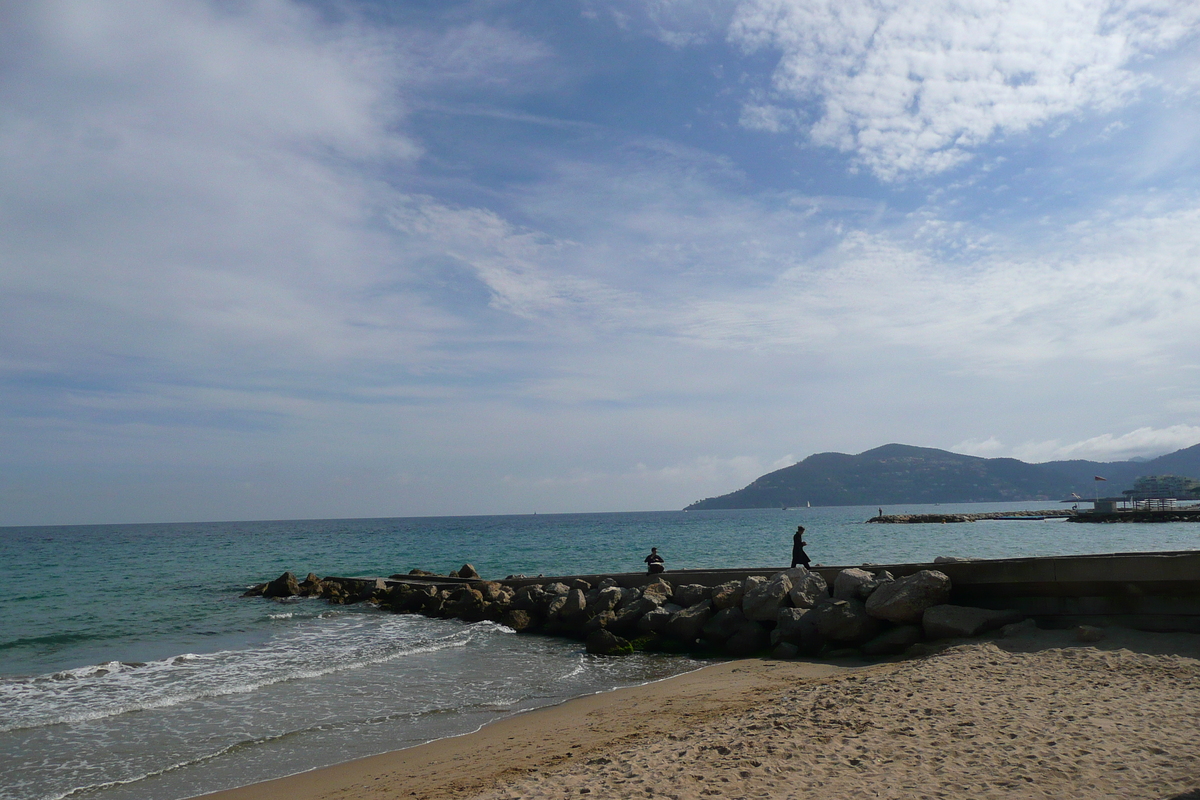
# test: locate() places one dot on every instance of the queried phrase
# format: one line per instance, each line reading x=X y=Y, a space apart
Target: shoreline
x=530 y=741
x=1037 y=715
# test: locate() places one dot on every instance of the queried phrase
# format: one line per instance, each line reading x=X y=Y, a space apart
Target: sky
x=280 y=259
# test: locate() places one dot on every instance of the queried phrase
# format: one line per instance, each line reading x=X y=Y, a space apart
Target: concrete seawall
x=1144 y=591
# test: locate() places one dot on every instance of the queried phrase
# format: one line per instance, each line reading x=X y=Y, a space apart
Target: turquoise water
x=130 y=668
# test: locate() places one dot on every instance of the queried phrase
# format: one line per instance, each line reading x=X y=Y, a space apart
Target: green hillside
x=898 y=473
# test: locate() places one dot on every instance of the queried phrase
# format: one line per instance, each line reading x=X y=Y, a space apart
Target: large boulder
x=574 y=605
x=310 y=586
x=465 y=604
x=785 y=650
x=1023 y=628
x=656 y=621
x=530 y=598
x=688 y=624
x=808 y=587
x=904 y=600
x=518 y=620
x=643 y=605
x=724 y=624
x=798 y=627
x=396 y=597
x=727 y=595
x=285 y=585
x=627 y=616
x=601 y=620
x=408 y=599
x=751 y=583
x=493 y=611
x=854 y=584
x=494 y=592
x=371 y=590
x=605 y=643
x=434 y=604
x=553 y=609
x=846 y=621
x=467 y=571
x=606 y=599
x=950 y=622
x=690 y=594
x=336 y=594
x=749 y=639
x=763 y=601
x=556 y=588
x=653 y=594
x=659 y=589
x=893 y=641
x=629 y=594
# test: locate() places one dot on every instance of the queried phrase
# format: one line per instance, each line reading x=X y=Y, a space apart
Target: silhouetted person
x=798 y=555
x=654 y=562
x=881 y=512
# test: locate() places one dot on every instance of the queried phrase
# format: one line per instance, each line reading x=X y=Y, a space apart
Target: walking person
x=798 y=555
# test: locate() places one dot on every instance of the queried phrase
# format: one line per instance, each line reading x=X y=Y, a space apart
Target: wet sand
x=1039 y=715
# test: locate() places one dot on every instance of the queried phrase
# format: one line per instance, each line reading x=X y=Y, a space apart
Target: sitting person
x=654 y=562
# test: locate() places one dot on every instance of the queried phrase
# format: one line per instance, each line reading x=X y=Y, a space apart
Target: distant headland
x=899 y=473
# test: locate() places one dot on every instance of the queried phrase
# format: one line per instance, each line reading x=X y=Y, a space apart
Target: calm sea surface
x=130 y=668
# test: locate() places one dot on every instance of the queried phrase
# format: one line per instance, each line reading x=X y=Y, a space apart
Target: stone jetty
x=789 y=613
x=901 y=519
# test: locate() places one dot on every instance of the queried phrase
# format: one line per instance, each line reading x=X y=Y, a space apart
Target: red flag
x=1101 y=479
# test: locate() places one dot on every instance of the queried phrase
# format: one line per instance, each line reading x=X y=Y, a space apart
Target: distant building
x=1158 y=487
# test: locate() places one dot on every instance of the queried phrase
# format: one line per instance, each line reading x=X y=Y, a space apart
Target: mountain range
x=900 y=473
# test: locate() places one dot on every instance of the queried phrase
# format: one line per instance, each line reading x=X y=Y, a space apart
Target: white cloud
x=267 y=75
x=656 y=259
x=990 y=447
x=768 y=118
x=194 y=188
x=1080 y=296
x=1144 y=442
x=685 y=481
x=522 y=268
x=670 y=263
x=677 y=23
x=710 y=470
x=912 y=87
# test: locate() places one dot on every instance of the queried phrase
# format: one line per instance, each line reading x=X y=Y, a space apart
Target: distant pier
x=901 y=519
x=1185 y=514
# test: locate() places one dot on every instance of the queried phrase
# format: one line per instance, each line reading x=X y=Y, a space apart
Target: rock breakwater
x=894 y=519
x=791 y=613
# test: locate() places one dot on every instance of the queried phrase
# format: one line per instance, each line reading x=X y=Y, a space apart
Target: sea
x=131 y=668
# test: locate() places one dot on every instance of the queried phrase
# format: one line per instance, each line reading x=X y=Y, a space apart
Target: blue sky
x=279 y=259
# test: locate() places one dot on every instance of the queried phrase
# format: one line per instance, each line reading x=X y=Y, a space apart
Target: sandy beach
x=1037 y=715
